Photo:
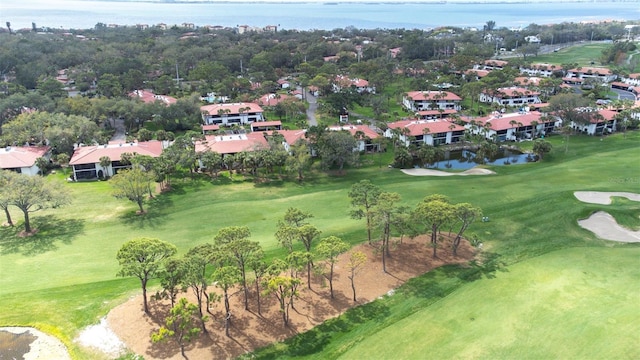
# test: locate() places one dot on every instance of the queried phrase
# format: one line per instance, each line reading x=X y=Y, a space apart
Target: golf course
x=542 y=287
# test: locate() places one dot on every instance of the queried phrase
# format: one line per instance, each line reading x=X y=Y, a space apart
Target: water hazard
x=15 y=346
x=465 y=159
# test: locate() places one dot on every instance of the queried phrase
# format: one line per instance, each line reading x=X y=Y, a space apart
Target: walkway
x=311 y=110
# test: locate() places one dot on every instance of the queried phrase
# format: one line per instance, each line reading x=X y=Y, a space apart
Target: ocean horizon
x=311 y=14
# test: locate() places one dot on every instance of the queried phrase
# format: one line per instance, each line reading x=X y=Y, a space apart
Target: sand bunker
x=603 y=224
x=603 y=198
x=431 y=172
x=102 y=338
x=44 y=347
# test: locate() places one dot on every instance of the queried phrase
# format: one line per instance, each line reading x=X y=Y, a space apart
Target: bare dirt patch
x=250 y=331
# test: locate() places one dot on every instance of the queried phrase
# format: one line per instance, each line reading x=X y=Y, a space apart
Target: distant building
x=85 y=161
x=231 y=114
x=426 y=132
x=22 y=159
x=431 y=100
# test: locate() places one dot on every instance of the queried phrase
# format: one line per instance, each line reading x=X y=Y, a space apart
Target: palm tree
x=42 y=164
x=105 y=163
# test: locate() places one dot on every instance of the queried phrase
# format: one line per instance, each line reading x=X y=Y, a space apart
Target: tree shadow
x=316 y=339
x=51 y=231
x=156 y=209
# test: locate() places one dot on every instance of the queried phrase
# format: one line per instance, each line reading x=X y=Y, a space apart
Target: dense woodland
x=105 y=64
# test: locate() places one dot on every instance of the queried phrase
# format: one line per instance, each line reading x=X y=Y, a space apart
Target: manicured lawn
x=582 y=54
x=63 y=278
x=576 y=303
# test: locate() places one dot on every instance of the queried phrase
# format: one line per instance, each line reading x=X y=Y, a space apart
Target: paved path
x=120 y=134
x=311 y=110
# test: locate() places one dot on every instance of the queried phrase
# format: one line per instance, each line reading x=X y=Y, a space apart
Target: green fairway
x=582 y=55
x=574 y=304
x=63 y=278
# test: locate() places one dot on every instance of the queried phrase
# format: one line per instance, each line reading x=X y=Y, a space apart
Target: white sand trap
x=602 y=197
x=431 y=172
x=44 y=347
x=102 y=338
x=603 y=224
x=605 y=227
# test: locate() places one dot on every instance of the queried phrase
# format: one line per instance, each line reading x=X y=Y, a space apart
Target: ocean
x=82 y=14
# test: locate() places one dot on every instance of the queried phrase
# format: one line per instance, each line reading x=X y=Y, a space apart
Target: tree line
x=235 y=264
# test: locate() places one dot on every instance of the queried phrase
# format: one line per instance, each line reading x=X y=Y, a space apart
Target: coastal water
x=82 y=14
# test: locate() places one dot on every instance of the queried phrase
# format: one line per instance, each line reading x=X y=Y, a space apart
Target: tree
x=171 y=277
x=300 y=159
x=541 y=147
x=180 y=324
x=336 y=148
x=364 y=196
x=212 y=161
x=235 y=241
x=143 y=258
x=132 y=185
x=225 y=278
x=63 y=161
x=466 y=215
x=356 y=260
x=105 y=163
x=259 y=267
x=433 y=212
x=195 y=276
x=33 y=193
x=286 y=235
x=42 y=163
x=307 y=234
x=383 y=214
x=284 y=289
x=296 y=217
x=6 y=177
x=330 y=248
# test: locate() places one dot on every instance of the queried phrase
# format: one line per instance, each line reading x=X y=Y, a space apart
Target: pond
x=466 y=159
x=14 y=346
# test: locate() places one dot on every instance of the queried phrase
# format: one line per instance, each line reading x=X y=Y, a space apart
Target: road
x=311 y=110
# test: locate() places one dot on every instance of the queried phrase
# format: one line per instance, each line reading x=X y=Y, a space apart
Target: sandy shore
x=44 y=347
x=431 y=172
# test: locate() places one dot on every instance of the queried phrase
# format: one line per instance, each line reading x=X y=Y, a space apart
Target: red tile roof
x=433 y=96
x=272 y=99
x=527 y=81
x=545 y=66
x=437 y=112
x=368 y=132
x=477 y=72
x=499 y=63
x=213 y=127
x=231 y=144
x=417 y=127
x=503 y=122
x=262 y=124
x=148 y=97
x=607 y=114
x=290 y=136
x=592 y=70
x=114 y=150
x=234 y=108
x=21 y=156
x=515 y=92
